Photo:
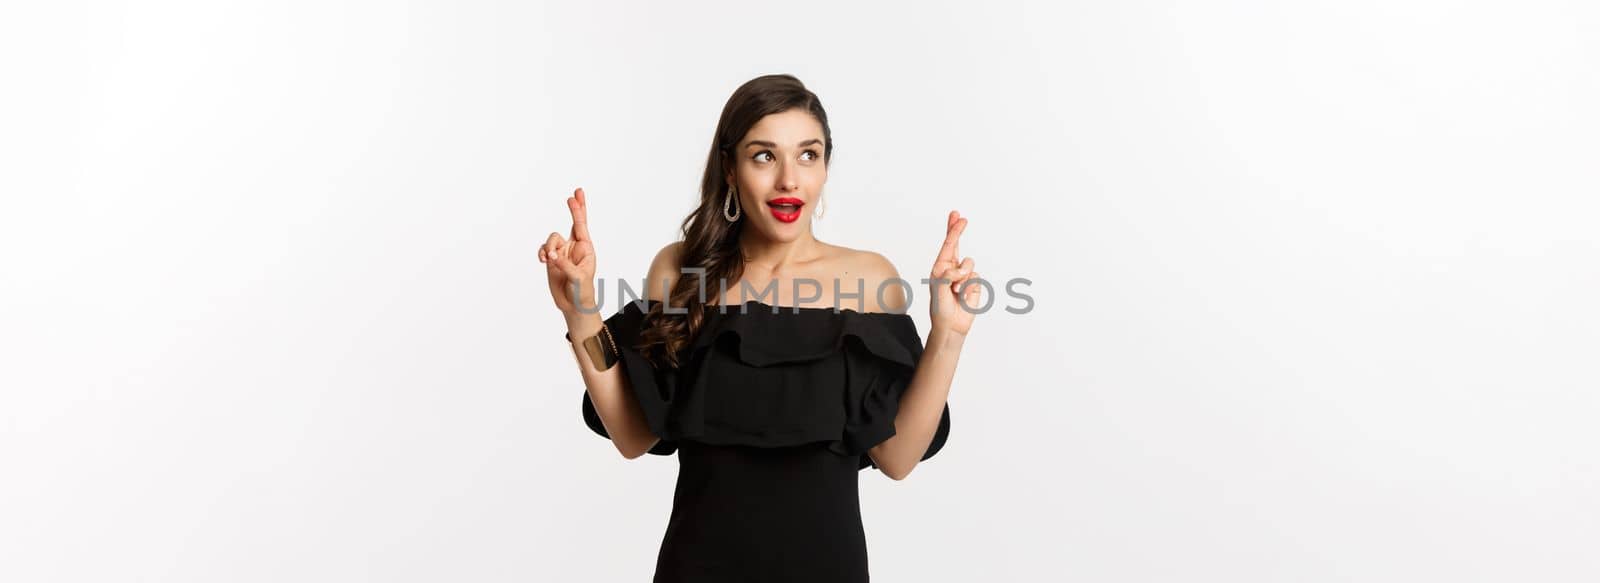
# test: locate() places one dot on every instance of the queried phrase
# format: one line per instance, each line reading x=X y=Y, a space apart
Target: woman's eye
x=768 y=154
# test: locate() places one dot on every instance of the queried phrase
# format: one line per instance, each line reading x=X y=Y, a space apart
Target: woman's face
x=780 y=161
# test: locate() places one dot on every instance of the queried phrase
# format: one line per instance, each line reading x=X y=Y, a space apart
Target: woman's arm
x=610 y=390
x=922 y=405
x=923 y=402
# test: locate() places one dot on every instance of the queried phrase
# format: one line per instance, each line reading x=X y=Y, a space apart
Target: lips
x=786 y=208
x=786 y=201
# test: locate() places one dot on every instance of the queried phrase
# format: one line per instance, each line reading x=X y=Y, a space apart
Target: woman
x=773 y=407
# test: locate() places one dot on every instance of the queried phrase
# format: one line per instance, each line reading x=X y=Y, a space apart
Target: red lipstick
x=786 y=208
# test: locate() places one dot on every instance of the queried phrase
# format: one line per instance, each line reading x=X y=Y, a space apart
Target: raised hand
x=944 y=312
x=569 y=261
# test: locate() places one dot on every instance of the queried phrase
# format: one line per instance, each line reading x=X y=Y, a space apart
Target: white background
x=1314 y=281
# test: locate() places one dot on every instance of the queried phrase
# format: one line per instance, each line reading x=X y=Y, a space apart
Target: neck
x=778 y=255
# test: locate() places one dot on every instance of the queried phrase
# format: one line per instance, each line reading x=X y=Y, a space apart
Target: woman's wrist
x=581 y=325
x=946 y=338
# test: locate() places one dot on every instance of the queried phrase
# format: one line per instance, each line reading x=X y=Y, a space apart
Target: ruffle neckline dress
x=771 y=414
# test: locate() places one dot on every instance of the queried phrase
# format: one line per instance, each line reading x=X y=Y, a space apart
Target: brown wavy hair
x=710 y=242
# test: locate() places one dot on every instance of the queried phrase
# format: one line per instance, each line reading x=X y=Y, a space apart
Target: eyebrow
x=772 y=145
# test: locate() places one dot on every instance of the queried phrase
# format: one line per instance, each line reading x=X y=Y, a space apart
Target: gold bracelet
x=601 y=358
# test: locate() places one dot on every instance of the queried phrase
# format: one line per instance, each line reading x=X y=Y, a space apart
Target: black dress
x=771 y=415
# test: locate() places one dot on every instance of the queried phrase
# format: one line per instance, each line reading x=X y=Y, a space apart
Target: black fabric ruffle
x=756 y=377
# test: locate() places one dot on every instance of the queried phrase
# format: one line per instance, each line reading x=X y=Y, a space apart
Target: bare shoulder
x=878 y=275
x=664 y=271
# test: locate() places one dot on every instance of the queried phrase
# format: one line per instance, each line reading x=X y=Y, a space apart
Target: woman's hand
x=944 y=313
x=571 y=261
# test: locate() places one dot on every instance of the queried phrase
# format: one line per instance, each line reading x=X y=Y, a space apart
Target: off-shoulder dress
x=771 y=413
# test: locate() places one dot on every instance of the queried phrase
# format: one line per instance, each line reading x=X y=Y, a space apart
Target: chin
x=785 y=232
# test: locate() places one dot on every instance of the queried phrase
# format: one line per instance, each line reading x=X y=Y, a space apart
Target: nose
x=786 y=182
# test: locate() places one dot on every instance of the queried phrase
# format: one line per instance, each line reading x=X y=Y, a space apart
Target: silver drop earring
x=728 y=203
